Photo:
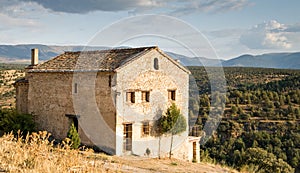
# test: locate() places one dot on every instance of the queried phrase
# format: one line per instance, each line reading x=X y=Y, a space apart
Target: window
x=109 y=80
x=127 y=137
x=130 y=97
x=172 y=94
x=146 y=96
x=145 y=128
x=75 y=88
x=156 y=67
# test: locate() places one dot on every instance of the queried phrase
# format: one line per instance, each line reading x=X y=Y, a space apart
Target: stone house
x=112 y=96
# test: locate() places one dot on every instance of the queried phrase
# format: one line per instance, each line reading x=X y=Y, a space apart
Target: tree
x=266 y=162
x=74 y=137
x=172 y=122
x=234 y=109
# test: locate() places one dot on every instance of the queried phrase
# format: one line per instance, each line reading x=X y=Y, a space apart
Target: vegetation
x=5 y=66
x=11 y=121
x=35 y=153
x=7 y=90
x=259 y=131
x=74 y=137
x=173 y=122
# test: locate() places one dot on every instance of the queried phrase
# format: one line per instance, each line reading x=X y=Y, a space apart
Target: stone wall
x=22 y=97
x=49 y=99
x=139 y=76
x=52 y=96
x=94 y=102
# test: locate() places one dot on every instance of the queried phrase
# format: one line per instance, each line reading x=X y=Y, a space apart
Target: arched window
x=156 y=67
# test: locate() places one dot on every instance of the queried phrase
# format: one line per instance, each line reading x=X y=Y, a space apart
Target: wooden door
x=127 y=137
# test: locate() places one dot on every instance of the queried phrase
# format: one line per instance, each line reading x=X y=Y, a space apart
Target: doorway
x=194 y=151
x=127 y=137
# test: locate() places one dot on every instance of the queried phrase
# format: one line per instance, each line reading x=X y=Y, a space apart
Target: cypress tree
x=74 y=137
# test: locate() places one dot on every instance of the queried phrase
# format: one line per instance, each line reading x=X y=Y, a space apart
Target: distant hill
x=271 y=60
x=195 y=61
x=21 y=54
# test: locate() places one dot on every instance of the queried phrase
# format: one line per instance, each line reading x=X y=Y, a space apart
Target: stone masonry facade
x=115 y=102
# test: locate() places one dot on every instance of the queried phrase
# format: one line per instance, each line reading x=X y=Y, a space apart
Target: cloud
x=211 y=6
x=19 y=9
x=175 y=7
x=224 y=33
x=293 y=28
x=268 y=35
x=15 y=14
x=13 y=22
x=79 y=6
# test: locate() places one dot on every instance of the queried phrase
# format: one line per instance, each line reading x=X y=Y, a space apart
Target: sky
x=230 y=27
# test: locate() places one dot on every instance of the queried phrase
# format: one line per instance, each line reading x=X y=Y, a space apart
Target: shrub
x=74 y=137
x=12 y=121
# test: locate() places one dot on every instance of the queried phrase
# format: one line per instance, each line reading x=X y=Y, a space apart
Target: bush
x=12 y=121
x=74 y=137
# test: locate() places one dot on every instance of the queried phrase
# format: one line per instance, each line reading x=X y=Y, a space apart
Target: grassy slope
x=36 y=154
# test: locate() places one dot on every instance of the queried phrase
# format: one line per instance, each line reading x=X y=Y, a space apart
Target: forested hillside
x=259 y=130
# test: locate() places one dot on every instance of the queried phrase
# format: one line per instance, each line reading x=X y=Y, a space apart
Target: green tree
x=173 y=122
x=266 y=162
x=234 y=109
x=288 y=100
x=74 y=137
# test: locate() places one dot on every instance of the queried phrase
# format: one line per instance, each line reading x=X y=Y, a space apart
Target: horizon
x=231 y=27
x=120 y=47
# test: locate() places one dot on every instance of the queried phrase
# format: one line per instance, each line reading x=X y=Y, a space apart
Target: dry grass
x=35 y=153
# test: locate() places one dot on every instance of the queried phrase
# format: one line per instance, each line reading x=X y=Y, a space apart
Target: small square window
x=146 y=96
x=130 y=97
x=145 y=129
x=156 y=66
x=109 y=80
x=172 y=95
x=75 y=88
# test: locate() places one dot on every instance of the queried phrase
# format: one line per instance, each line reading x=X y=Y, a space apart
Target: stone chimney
x=34 y=57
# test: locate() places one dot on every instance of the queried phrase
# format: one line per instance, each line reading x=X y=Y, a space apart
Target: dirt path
x=151 y=165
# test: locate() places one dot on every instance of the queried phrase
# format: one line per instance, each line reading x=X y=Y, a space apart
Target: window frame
x=155 y=64
x=75 y=88
x=172 y=94
x=109 y=80
x=130 y=96
x=145 y=129
x=146 y=96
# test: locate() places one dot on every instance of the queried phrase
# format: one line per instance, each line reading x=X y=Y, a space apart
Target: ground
x=137 y=164
x=35 y=153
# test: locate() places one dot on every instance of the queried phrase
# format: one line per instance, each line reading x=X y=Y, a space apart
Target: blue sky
x=233 y=27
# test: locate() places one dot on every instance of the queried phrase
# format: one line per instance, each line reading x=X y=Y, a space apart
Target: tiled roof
x=102 y=60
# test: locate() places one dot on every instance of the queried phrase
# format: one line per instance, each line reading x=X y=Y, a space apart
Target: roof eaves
x=67 y=70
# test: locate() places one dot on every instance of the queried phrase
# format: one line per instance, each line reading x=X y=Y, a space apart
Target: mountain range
x=21 y=54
